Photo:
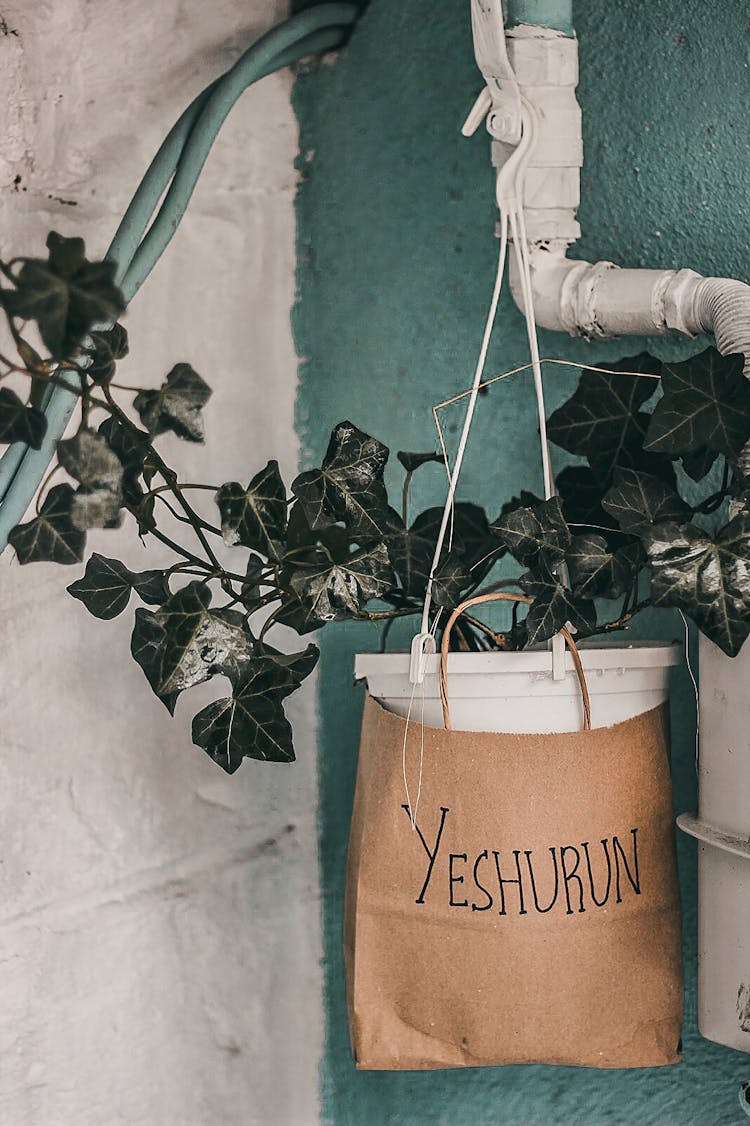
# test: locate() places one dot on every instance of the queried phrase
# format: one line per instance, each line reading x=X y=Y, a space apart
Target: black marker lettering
x=444 y=810
x=568 y=876
x=482 y=856
x=502 y=881
x=635 y=882
x=553 y=900
x=456 y=879
x=605 y=846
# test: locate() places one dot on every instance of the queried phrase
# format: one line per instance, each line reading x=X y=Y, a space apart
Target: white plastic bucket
x=722 y=826
x=516 y=692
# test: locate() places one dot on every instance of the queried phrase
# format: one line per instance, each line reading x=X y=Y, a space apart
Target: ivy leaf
x=51 y=536
x=250 y=592
x=697 y=463
x=707 y=578
x=255 y=517
x=638 y=501
x=411 y=461
x=602 y=420
x=176 y=406
x=297 y=665
x=474 y=539
x=534 y=535
x=706 y=403
x=411 y=551
x=131 y=446
x=299 y=616
x=597 y=572
x=19 y=423
x=451 y=578
x=128 y=443
x=89 y=459
x=581 y=498
x=348 y=486
x=337 y=591
x=553 y=607
x=109 y=346
x=184 y=643
x=107 y=584
x=251 y=723
x=66 y=295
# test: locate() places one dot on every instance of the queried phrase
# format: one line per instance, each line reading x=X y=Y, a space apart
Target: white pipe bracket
x=500 y=100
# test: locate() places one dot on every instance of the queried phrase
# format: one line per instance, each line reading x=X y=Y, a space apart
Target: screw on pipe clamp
x=500 y=100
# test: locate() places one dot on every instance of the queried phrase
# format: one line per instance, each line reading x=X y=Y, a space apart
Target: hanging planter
x=518 y=692
x=512 y=895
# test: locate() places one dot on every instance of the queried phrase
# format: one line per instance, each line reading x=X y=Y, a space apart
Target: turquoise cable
x=180 y=159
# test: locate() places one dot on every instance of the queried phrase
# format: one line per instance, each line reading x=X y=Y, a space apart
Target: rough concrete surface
x=159 y=941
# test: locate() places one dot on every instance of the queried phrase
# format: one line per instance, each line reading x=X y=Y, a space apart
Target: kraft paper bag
x=531 y=916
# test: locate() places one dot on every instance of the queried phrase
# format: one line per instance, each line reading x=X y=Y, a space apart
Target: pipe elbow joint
x=600 y=301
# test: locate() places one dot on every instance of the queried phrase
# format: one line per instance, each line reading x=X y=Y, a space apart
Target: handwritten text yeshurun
x=524 y=881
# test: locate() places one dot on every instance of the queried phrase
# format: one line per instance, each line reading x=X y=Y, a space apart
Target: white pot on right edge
x=722 y=826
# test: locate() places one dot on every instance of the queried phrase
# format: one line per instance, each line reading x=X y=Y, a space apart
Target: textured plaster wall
x=396 y=264
x=158 y=921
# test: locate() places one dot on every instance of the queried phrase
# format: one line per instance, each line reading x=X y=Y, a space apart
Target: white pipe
x=598 y=300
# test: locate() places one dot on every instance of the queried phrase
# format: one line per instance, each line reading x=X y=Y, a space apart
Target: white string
x=695 y=688
x=521 y=248
x=413 y=813
x=476 y=382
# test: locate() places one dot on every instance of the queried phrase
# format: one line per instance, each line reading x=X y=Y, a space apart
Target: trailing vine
x=331 y=547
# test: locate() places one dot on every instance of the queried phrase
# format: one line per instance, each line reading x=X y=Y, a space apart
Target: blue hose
x=135 y=250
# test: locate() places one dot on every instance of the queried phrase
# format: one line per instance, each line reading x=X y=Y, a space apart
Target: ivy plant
x=329 y=546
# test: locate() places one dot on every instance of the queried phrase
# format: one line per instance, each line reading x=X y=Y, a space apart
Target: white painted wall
x=159 y=944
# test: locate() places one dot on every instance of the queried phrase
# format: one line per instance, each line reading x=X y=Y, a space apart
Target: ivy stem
x=184 y=519
x=385 y=615
x=168 y=476
x=179 y=550
x=187 y=485
x=405 y=495
x=609 y=627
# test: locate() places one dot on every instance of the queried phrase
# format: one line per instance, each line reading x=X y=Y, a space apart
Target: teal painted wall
x=396 y=258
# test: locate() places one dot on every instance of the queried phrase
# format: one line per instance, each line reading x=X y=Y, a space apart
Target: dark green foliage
x=705 y=407
x=603 y=420
x=52 y=536
x=412 y=461
x=107 y=584
x=176 y=406
x=185 y=642
x=597 y=572
x=337 y=550
x=638 y=500
x=256 y=516
x=251 y=722
x=553 y=607
x=19 y=422
x=705 y=576
x=66 y=295
x=537 y=535
x=451 y=578
x=336 y=591
x=89 y=459
x=109 y=346
x=348 y=486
